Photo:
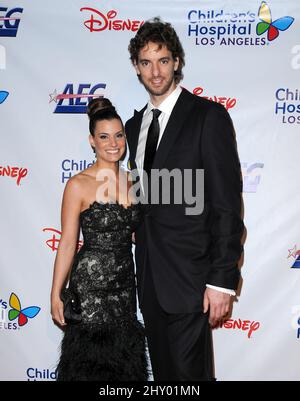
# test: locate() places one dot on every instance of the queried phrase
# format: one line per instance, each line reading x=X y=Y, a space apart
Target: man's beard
x=158 y=91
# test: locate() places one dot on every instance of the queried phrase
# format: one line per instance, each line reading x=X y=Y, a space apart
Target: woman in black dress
x=109 y=342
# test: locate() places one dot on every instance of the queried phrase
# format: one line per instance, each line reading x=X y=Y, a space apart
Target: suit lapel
x=177 y=118
x=176 y=121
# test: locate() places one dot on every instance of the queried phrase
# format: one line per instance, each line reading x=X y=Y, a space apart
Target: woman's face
x=109 y=140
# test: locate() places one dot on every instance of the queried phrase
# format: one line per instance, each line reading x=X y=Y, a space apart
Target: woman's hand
x=57 y=310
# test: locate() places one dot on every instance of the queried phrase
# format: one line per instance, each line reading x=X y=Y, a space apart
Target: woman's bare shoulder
x=84 y=176
x=77 y=183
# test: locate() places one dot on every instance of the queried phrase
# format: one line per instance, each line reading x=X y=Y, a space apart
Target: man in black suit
x=187 y=264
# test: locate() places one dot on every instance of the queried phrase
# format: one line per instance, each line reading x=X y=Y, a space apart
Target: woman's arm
x=71 y=206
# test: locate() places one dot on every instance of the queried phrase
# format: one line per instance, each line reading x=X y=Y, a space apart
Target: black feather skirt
x=103 y=353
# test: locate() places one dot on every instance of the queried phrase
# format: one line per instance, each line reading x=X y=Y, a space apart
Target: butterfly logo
x=3 y=96
x=18 y=312
x=273 y=27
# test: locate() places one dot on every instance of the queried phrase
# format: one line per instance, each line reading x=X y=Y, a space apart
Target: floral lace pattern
x=103 y=269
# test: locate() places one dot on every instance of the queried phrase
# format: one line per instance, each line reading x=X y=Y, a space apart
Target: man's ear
x=136 y=68
x=176 y=65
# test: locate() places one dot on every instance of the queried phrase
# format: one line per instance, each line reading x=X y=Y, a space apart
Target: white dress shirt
x=166 y=108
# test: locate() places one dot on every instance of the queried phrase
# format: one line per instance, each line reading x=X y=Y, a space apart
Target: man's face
x=156 y=69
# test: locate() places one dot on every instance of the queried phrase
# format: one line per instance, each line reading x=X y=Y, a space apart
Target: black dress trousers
x=180 y=345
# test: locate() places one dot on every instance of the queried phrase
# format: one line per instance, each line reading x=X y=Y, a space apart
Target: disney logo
x=53 y=242
x=227 y=102
x=99 y=21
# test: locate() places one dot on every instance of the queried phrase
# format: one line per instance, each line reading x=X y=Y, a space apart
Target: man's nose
x=155 y=70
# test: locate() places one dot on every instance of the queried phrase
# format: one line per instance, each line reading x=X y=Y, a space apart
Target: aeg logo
x=9 y=22
x=70 y=101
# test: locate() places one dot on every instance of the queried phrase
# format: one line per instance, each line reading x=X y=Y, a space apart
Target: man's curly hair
x=161 y=33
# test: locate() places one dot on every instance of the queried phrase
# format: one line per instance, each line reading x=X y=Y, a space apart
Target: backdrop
x=54 y=57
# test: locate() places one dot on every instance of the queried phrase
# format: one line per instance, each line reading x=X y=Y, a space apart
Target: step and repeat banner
x=57 y=55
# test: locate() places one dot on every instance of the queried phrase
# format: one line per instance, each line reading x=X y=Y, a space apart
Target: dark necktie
x=151 y=143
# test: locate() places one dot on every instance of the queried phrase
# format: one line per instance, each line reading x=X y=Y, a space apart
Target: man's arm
x=223 y=195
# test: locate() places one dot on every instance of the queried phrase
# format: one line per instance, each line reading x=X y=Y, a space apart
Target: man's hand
x=218 y=304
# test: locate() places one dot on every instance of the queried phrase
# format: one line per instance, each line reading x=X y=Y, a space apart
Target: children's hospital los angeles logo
x=269 y=26
x=3 y=96
x=235 y=28
x=13 y=316
x=287 y=105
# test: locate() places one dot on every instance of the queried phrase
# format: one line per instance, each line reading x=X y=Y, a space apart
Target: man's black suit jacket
x=186 y=252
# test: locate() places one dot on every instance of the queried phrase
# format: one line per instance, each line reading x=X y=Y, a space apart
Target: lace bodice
x=103 y=270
